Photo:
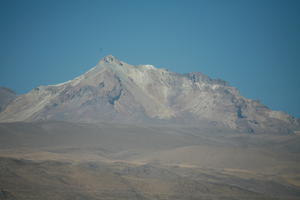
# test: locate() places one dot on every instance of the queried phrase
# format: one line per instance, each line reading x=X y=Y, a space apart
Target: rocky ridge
x=116 y=91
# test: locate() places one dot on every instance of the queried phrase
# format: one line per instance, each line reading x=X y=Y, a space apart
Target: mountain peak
x=115 y=90
x=110 y=59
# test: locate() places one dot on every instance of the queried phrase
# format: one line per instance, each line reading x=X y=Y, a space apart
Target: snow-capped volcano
x=116 y=91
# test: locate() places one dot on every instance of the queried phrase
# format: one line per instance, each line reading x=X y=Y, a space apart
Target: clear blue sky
x=252 y=44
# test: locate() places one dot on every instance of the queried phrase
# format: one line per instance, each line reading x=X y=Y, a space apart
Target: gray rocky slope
x=116 y=91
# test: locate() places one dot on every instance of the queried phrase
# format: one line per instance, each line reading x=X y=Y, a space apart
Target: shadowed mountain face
x=116 y=91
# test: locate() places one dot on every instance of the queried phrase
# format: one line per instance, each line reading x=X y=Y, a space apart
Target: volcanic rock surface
x=116 y=91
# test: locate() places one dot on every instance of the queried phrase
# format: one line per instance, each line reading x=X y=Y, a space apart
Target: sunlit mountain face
x=116 y=91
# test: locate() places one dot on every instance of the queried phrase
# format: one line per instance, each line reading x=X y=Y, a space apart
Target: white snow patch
x=61 y=84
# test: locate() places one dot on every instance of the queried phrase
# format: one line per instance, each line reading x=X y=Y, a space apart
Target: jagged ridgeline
x=116 y=91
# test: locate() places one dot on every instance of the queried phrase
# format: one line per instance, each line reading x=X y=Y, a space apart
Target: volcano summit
x=116 y=91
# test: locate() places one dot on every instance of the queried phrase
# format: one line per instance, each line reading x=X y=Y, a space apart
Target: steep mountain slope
x=6 y=96
x=116 y=91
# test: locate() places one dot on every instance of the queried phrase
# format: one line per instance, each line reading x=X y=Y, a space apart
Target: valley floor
x=62 y=161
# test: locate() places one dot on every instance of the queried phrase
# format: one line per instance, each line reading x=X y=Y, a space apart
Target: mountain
x=116 y=91
x=137 y=132
x=6 y=96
